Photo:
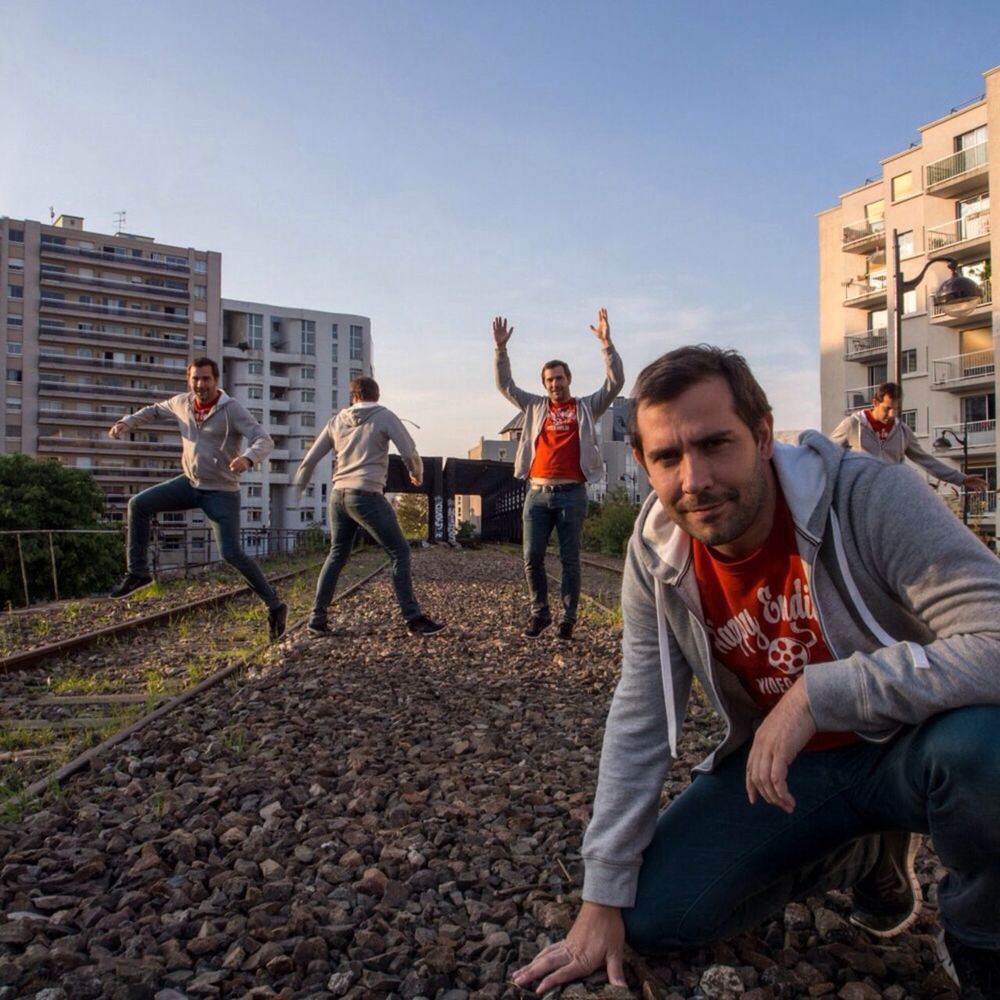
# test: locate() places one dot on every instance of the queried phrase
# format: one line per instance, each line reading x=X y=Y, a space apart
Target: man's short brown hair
x=674 y=373
x=556 y=364
x=365 y=388
x=885 y=389
x=203 y=363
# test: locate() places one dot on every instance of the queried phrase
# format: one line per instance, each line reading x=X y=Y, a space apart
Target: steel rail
x=30 y=657
x=84 y=759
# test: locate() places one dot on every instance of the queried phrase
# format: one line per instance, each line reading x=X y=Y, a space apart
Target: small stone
x=721 y=982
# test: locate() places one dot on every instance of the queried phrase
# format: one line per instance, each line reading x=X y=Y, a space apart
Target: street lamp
x=963 y=440
x=957 y=295
x=633 y=496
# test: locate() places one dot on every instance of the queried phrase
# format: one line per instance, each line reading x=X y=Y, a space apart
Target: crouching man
x=854 y=653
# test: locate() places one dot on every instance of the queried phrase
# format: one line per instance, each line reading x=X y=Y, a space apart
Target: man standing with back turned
x=881 y=433
x=213 y=426
x=359 y=437
x=558 y=455
x=854 y=655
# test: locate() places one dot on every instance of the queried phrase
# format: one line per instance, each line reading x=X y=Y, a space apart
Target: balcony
x=112 y=258
x=72 y=361
x=983 y=507
x=957 y=174
x=160 y=338
x=870 y=345
x=981 y=434
x=53 y=275
x=864 y=236
x=962 y=372
x=93 y=389
x=968 y=235
x=859 y=398
x=983 y=310
x=148 y=315
x=129 y=472
x=865 y=293
x=100 y=443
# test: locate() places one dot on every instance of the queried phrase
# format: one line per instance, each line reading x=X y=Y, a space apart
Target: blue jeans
x=349 y=510
x=718 y=866
x=221 y=507
x=563 y=508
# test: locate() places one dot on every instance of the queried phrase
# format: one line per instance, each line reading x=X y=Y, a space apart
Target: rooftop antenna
x=119 y=222
x=52 y=213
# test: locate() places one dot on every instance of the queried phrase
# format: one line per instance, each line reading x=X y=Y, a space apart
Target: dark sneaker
x=321 y=630
x=423 y=626
x=537 y=625
x=566 y=630
x=976 y=970
x=887 y=900
x=130 y=583
x=276 y=620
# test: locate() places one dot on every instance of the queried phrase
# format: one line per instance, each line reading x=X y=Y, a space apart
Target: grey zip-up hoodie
x=206 y=451
x=536 y=408
x=359 y=438
x=906 y=598
x=855 y=432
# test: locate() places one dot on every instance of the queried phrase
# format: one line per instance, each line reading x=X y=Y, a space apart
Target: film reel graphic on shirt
x=791 y=655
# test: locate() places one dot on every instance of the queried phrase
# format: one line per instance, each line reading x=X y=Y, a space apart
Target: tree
x=609 y=524
x=39 y=494
x=411 y=511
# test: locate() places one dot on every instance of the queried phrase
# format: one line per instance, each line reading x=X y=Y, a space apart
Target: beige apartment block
x=928 y=201
x=291 y=368
x=92 y=327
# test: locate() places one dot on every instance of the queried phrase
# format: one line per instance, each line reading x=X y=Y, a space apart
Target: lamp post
x=963 y=440
x=957 y=295
x=633 y=479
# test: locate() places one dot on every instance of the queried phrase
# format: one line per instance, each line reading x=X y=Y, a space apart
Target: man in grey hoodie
x=854 y=657
x=879 y=432
x=359 y=438
x=213 y=426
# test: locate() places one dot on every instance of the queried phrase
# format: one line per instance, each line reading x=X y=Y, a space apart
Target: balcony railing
x=949 y=168
x=115 y=258
x=92 y=307
x=161 y=338
x=864 y=234
x=101 y=442
x=987 y=288
x=50 y=274
x=93 y=389
x=865 y=345
x=963 y=369
x=983 y=505
x=859 y=291
x=974 y=226
x=858 y=398
x=981 y=434
x=112 y=365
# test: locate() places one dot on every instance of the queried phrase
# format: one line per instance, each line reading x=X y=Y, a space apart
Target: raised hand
x=976 y=484
x=117 y=428
x=602 y=330
x=239 y=464
x=501 y=332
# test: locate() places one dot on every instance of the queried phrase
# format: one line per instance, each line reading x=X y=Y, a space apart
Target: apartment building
x=94 y=326
x=929 y=200
x=291 y=368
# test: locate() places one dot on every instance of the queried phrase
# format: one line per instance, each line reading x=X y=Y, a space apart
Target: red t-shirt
x=760 y=617
x=557 y=447
x=881 y=429
x=202 y=410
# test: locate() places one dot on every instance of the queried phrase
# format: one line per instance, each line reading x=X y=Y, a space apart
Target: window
x=15 y=291
x=200 y=291
x=909 y=302
x=357 y=343
x=254 y=490
x=874 y=213
x=200 y=267
x=199 y=341
x=256 y=413
x=908 y=361
x=200 y=316
x=255 y=368
x=356 y=373
x=308 y=336
x=902 y=185
x=253 y=514
x=308 y=395
x=13 y=347
x=976 y=408
x=306 y=443
x=904 y=245
x=255 y=331
x=307 y=419
x=975 y=137
x=878 y=319
x=909 y=417
x=15 y=264
x=13 y=402
x=14 y=375
x=306 y=515
x=334 y=375
x=308 y=371
x=16 y=235
x=255 y=392
x=333 y=332
x=13 y=431
x=333 y=400
x=14 y=320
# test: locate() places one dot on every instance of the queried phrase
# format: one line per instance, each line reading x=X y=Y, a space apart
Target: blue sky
x=433 y=164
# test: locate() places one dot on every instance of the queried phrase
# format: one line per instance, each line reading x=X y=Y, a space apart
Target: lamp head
x=958 y=295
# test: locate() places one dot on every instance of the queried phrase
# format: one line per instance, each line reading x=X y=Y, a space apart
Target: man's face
x=709 y=471
x=884 y=409
x=203 y=383
x=556 y=383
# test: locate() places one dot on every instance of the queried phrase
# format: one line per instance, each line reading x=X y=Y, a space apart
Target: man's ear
x=640 y=458
x=765 y=436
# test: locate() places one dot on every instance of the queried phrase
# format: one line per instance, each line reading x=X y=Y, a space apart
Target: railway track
x=104 y=685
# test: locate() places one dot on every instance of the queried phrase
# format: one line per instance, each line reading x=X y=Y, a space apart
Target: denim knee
x=652 y=934
x=962 y=744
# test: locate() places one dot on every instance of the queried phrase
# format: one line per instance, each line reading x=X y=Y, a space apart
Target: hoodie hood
x=806 y=474
x=358 y=415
